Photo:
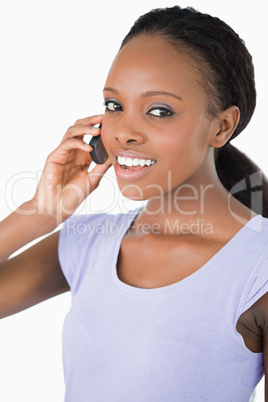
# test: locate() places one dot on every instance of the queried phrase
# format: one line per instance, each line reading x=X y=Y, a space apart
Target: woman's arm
x=265 y=356
x=31 y=277
x=262 y=320
x=35 y=274
x=253 y=326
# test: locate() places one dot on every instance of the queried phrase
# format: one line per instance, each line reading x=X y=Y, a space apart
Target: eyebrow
x=114 y=91
x=148 y=93
x=156 y=93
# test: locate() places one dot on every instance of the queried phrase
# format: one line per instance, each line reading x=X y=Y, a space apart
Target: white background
x=55 y=56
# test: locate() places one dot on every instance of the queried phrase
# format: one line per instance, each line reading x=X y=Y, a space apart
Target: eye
x=112 y=106
x=160 y=112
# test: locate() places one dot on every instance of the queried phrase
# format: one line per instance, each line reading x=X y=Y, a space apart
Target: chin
x=132 y=192
x=135 y=192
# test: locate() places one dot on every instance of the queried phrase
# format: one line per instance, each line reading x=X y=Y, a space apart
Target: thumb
x=97 y=173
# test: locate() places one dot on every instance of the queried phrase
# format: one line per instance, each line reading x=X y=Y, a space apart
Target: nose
x=127 y=133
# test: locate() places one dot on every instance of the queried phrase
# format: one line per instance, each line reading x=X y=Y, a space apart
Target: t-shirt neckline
x=253 y=224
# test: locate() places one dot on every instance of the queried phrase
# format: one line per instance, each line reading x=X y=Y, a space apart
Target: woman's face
x=155 y=127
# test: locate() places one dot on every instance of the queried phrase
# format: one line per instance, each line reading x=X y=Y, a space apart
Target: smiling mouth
x=132 y=164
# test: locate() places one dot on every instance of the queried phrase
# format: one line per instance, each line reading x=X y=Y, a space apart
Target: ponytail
x=242 y=178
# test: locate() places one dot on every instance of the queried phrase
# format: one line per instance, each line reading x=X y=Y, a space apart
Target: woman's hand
x=35 y=274
x=65 y=181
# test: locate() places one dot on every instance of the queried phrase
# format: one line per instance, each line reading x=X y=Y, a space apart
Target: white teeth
x=128 y=162
x=121 y=160
x=134 y=162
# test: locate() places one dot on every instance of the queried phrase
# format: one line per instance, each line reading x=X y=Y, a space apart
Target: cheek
x=181 y=154
x=183 y=143
x=106 y=134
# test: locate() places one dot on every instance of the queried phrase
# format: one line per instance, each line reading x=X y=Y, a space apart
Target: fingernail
x=96 y=127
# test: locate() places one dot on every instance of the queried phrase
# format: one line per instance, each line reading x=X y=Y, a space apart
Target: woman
x=169 y=302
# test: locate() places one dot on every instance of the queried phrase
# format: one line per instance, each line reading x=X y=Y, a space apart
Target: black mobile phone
x=98 y=154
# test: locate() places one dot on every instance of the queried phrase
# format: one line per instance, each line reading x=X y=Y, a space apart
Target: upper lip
x=131 y=154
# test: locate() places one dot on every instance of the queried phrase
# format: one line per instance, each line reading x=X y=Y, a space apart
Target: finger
x=97 y=173
x=92 y=120
x=80 y=131
x=62 y=152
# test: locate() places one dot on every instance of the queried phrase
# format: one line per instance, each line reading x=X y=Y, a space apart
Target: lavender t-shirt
x=175 y=343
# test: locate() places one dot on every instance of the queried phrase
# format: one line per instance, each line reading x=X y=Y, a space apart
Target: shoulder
x=258 y=226
x=253 y=260
x=253 y=322
x=255 y=241
x=79 y=227
x=84 y=237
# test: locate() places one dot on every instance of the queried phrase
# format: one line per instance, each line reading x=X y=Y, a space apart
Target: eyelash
x=162 y=109
x=168 y=111
x=106 y=104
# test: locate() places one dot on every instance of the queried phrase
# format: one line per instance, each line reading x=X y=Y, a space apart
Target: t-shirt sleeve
x=67 y=249
x=83 y=240
x=259 y=285
x=75 y=243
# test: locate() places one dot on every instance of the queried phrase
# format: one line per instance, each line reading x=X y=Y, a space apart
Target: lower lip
x=131 y=174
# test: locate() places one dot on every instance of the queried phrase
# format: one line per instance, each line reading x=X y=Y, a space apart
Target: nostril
x=127 y=141
x=127 y=138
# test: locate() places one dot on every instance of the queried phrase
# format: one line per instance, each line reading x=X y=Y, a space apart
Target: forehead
x=148 y=61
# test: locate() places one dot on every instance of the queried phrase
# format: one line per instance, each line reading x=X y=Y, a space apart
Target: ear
x=227 y=121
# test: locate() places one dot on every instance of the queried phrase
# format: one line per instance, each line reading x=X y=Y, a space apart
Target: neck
x=201 y=203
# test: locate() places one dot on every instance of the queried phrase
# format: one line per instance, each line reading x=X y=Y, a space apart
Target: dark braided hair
x=227 y=76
